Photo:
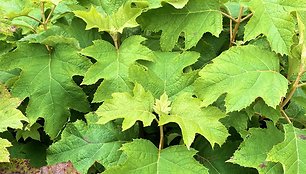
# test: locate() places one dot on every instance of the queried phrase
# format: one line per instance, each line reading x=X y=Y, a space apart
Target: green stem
x=161 y=138
x=116 y=39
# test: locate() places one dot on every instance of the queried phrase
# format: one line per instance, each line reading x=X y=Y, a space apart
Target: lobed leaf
x=46 y=78
x=113 y=22
x=144 y=157
x=193 y=20
x=192 y=118
x=244 y=73
x=84 y=145
x=158 y=77
x=291 y=152
x=274 y=21
x=130 y=108
x=112 y=65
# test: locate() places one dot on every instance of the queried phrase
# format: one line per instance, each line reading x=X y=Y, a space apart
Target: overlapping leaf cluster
x=154 y=86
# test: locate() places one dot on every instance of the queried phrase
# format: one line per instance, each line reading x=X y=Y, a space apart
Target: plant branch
x=51 y=12
x=238 y=21
x=37 y=20
x=42 y=12
x=294 y=86
x=300 y=85
x=228 y=16
x=246 y=17
x=286 y=116
x=231 y=31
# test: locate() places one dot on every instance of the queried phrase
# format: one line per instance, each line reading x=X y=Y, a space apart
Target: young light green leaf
x=253 y=151
x=144 y=157
x=84 y=145
x=112 y=23
x=131 y=108
x=158 y=77
x=10 y=116
x=258 y=70
x=301 y=16
x=4 y=153
x=14 y=8
x=274 y=21
x=46 y=78
x=112 y=65
x=152 y=4
x=291 y=152
x=192 y=118
x=162 y=106
x=193 y=20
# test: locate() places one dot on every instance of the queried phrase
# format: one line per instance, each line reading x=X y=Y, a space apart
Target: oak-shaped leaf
x=84 y=144
x=10 y=116
x=273 y=20
x=192 y=118
x=244 y=73
x=112 y=65
x=131 y=108
x=291 y=152
x=4 y=153
x=111 y=21
x=144 y=157
x=253 y=151
x=46 y=78
x=195 y=19
x=159 y=77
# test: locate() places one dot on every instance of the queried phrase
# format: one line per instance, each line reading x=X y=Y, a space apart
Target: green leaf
x=115 y=22
x=84 y=145
x=258 y=70
x=266 y=111
x=193 y=20
x=274 y=21
x=253 y=151
x=131 y=108
x=29 y=132
x=61 y=33
x=33 y=151
x=158 y=77
x=152 y=4
x=215 y=158
x=291 y=152
x=4 y=154
x=46 y=78
x=237 y=120
x=112 y=65
x=188 y=114
x=9 y=115
x=144 y=157
x=14 y=8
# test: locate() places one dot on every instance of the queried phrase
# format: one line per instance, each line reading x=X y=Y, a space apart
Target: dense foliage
x=153 y=86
